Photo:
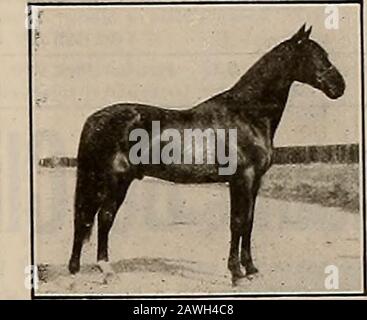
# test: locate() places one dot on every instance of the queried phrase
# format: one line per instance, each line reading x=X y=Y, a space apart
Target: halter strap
x=325 y=71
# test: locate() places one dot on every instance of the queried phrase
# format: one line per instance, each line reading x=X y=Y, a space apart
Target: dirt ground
x=174 y=239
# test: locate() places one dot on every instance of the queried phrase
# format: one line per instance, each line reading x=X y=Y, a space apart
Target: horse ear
x=308 y=32
x=302 y=29
x=301 y=34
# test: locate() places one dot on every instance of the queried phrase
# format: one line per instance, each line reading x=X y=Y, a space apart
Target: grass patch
x=331 y=185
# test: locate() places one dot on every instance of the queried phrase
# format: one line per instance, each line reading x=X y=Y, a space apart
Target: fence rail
x=338 y=153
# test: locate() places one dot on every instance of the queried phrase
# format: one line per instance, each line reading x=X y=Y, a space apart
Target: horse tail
x=87 y=199
x=86 y=204
x=103 y=133
x=89 y=180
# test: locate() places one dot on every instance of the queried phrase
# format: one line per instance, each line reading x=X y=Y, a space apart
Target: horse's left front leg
x=246 y=256
x=241 y=208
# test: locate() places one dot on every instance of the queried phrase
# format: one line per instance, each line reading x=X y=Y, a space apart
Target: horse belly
x=185 y=173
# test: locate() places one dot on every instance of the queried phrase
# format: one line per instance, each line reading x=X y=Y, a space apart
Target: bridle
x=320 y=76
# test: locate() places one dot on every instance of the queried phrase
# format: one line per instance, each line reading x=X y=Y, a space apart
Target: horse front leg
x=246 y=257
x=241 y=205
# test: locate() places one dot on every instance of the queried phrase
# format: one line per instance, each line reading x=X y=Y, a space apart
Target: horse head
x=313 y=67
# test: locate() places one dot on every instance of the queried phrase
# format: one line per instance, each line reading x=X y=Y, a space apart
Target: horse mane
x=266 y=78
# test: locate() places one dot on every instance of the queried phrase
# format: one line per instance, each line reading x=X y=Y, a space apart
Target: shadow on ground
x=49 y=272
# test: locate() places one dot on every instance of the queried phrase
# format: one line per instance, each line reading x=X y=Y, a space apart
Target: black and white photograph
x=198 y=149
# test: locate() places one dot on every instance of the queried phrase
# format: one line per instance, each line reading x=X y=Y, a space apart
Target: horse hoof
x=74 y=267
x=251 y=270
x=237 y=281
x=236 y=277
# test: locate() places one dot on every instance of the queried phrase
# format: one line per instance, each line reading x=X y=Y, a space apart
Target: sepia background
x=174 y=57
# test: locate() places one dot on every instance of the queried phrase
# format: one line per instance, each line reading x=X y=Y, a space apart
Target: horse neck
x=263 y=91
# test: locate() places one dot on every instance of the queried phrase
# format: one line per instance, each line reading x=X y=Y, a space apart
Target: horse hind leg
x=115 y=194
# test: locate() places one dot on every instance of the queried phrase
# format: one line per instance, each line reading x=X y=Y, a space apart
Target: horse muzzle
x=333 y=84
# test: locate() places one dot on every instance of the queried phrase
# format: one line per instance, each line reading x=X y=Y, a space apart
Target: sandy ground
x=175 y=239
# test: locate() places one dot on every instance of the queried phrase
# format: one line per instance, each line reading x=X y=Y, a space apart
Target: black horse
x=253 y=106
